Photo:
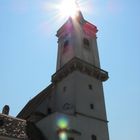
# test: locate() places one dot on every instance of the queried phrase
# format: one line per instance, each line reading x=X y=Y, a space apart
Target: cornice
x=82 y=66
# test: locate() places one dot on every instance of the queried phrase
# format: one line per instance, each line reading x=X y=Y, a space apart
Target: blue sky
x=28 y=52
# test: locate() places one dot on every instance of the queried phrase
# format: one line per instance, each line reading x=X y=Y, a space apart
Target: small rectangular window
x=93 y=137
x=64 y=88
x=49 y=111
x=70 y=138
x=91 y=106
x=90 y=86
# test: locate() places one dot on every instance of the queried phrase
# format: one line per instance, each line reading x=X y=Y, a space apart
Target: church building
x=72 y=107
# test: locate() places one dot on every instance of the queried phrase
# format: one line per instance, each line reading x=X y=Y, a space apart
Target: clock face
x=67 y=106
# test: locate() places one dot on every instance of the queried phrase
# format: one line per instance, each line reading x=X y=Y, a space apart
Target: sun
x=68 y=8
x=60 y=10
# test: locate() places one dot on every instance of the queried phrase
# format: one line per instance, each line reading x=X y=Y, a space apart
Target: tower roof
x=72 y=22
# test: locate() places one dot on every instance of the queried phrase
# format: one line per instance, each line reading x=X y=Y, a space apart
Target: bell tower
x=72 y=107
x=77 y=38
x=79 y=90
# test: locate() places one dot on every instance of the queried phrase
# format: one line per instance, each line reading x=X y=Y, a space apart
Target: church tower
x=73 y=106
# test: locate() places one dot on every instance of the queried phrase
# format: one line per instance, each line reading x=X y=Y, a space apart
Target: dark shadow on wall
x=34 y=132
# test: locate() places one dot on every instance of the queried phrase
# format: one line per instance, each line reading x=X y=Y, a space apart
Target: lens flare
x=63 y=136
x=62 y=123
x=68 y=8
x=60 y=11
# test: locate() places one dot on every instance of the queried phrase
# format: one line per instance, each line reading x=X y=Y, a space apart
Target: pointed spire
x=78 y=15
x=77 y=5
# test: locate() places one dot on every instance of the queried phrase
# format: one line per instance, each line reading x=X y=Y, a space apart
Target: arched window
x=65 y=46
x=66 y=43
x=86 y=42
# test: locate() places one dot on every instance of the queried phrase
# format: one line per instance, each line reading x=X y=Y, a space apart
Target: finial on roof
x=76 y=2
x=6 y=110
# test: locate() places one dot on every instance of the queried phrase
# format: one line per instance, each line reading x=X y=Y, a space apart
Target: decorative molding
x=82 y=66
x=68 y=131
x=96 y=118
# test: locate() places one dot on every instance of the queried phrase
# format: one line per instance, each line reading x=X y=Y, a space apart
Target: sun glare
x=68 y=8
x=60 y=10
